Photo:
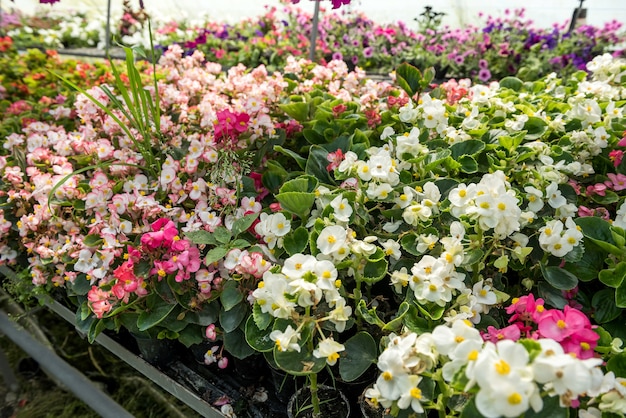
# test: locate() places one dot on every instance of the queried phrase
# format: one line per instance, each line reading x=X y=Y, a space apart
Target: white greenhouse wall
x=458 y=12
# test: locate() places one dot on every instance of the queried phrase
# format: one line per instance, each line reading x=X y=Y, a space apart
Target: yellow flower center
x=502 y=367
x=387 y=376
x=416 y=393
x=514 y=398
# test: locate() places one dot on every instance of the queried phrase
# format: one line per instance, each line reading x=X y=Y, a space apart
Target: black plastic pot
x=333 y=402
x=154 y=351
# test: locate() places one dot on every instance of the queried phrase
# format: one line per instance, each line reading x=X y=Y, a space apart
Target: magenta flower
x=526 y=309
x=558 y=325
x=493 y=334
x=163 y=234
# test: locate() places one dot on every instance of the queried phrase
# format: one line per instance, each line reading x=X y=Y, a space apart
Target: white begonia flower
x=392 y=249
x=270 y=295
x=508 y=399
x=416 y=213
x=342 y=208
x=566 y=375
x=620 y=216
x=297 y=265
x=408 y=196
x=278 y=225
x=377 y=191
x=399 y=279
x=329 y=349
x=331 y=239
x=412 y=396
x=484 y=293
x=426 y=242
x=232 y=258
x=408 y=113
x=392 y=227
x=340 y=315
x=554 y=196
x=387 y=132
x=363 y=171
x=349 y=160
x=535 y=198
x=446 y=339
x=287 y=340
x=86 y=261
x=461 y=198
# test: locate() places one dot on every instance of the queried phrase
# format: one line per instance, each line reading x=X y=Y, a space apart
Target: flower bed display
x=453 y=249
x=502 y=46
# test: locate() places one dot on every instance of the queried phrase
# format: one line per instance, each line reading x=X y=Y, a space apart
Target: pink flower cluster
x=530 y=319
x=181 y=257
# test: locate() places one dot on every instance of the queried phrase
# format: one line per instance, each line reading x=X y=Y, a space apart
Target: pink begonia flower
x=222 y=363
x=163 y=234
x=622 y=142
x=616 y=182
x=253 y=264
x=584 y=211
x=616 y=156
x=526 y=309
x=334 y=158
x=210 y=332
x=599 y=189
x=493 y=334
x=99 y=301
x=558 y=325
x=582 y=343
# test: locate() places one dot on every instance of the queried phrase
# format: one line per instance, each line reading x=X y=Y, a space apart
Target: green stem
x=315 y=400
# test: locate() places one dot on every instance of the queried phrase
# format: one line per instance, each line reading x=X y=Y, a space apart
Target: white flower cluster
x=558 y=238
x=506 y=380
x=303 y=281
x=491 y=202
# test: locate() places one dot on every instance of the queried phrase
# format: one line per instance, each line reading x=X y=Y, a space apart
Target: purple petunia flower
x=338 y=56
x=484 y=74
x=368 y=52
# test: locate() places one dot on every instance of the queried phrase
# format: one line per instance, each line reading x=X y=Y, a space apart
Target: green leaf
x=414 y=322
x=551 y=408
x=535 y=127
x=470 y=410
x=93 y=240
x=201 y=237
x=298 y=363
x=257 y=338
x=296 y=241
x=95 y=329
x=81 y=285
x=242 y=224
x=231 y=295
x=235 y=343
x=375 y=271
x=468 y=147
x=408 y=78
x=222 y=235
x=209 y=313
x=191 y=335
x=559 y=278
x=152 y=317
x=316 y=165
x=369 y=315
x=468 y=164
x=304 y=183
x=359 y=355
x=432 y=311
x=261 y=319
x=297 y=110
x=604 y=309
x=231 y=319
x=617 y=365
x=395 y=324
x=298 y=203
x=615 y=276
x=511 y=142
x=301 y=161
x=512 y=83
x=215 y=254
x=620 y=295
